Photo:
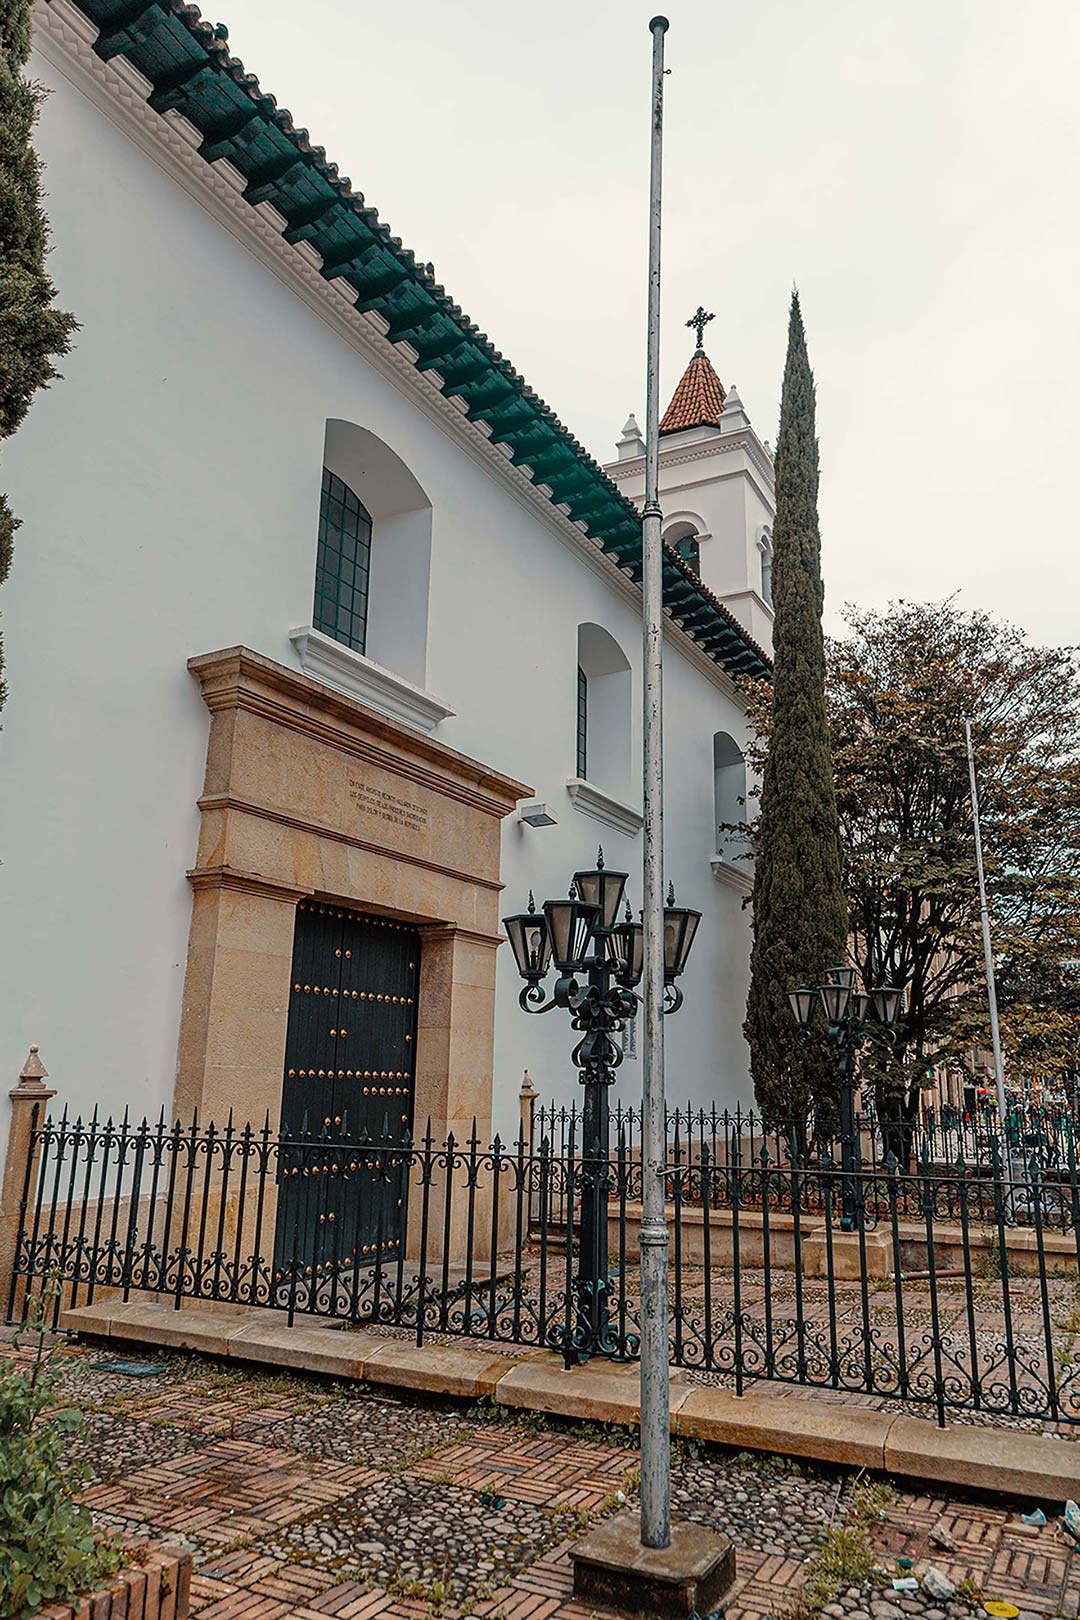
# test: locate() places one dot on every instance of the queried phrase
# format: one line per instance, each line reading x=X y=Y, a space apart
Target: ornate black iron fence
x=1049 y=1130
x=955 y=1291
x=954 y=1147
x=255 y=1216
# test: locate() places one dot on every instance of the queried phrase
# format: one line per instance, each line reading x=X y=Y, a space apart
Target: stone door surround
x=310 y=794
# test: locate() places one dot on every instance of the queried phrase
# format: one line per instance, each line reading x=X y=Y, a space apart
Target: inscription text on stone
x=386 y=806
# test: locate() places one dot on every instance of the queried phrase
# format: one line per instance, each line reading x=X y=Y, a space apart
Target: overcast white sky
x=914 y=165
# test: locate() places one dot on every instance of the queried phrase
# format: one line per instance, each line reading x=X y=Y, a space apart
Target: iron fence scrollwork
x=956 y=1292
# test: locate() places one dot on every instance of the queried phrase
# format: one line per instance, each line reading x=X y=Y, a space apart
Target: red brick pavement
x=232 y=1496
x=548 y=1469
x=1031 y=1568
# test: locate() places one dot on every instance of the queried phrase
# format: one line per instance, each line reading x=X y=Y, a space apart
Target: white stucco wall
x=169 y=491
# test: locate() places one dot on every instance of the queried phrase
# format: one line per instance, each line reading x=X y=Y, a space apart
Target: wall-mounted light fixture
x=536 y=814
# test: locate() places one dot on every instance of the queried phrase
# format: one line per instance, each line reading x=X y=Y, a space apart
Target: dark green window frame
x=343 y=564
x=582 y=757
x=690 y=552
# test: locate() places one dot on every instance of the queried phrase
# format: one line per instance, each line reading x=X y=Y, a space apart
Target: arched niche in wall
x=729 y=799
x=400 y=554
x=603 y=710
x=684 y=534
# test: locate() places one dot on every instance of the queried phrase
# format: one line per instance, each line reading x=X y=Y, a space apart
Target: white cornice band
x=361 y=678
x=593 y=801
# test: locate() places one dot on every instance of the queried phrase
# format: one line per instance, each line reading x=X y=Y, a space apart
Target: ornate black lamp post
x=850 y=1015
x=599 y=961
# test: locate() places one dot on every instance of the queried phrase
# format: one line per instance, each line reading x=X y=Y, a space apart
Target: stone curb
x=157 y=1589
x=1022 y=1466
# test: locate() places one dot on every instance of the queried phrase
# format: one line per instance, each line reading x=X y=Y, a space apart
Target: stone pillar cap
x=33 y=1074
x=33 y=1068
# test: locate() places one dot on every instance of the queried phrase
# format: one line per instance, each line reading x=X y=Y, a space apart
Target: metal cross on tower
x=699 y=320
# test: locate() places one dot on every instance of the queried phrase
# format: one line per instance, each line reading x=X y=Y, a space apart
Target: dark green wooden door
x=346 y=1102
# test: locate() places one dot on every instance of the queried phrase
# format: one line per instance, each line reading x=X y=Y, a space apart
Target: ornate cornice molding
x=350 y=672
x=745 y=440
x=593 y=801
x=318 y=829
x=748 y=593
x=64 y=36
x=228 y=877
x=239 y=679
x=451 y=931
x=734 y=877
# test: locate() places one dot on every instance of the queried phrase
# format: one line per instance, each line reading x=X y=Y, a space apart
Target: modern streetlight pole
x=655 y=1571
x=655 y=1390
x=988 y=950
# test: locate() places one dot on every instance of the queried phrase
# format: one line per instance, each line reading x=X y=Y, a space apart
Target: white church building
x=323 y=638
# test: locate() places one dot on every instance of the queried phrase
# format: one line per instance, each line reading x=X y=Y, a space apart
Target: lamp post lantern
x=599 y=960
x=850 y=1015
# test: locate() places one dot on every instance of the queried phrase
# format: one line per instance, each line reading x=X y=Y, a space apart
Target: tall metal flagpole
x=988 y=954
x=655 y=1393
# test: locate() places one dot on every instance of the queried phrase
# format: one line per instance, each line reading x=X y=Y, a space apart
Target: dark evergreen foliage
x=32 y=333
x=800 y=920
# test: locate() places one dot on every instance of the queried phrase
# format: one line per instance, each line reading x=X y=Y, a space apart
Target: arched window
x=729 y=798
x=343 y=564
x=765 y=545
x=386 y=564
x=603 y=711
x=684 y=536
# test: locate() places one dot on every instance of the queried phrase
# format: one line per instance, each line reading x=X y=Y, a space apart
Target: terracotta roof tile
x=699 y=398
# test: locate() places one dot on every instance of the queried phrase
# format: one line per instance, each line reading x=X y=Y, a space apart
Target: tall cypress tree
x=32 y=333
x=800 y=919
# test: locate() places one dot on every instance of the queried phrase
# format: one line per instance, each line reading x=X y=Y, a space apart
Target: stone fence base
x=1021 y=1243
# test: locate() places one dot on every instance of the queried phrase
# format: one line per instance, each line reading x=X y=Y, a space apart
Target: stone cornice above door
x=309 y=793
x=237 y=678
x=225 y=877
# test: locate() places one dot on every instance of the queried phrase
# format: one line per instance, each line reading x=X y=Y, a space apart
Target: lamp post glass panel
x=850 y=1015
x=598 y=958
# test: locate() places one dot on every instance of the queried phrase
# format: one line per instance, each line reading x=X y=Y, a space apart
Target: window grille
x=582 y=722
x=343 y=565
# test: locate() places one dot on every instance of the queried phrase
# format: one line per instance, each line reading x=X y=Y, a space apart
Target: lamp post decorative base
x=613 y=1568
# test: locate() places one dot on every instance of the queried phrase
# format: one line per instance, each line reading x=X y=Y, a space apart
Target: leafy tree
x=32 y=333
x=799 y=915
x=899 y=688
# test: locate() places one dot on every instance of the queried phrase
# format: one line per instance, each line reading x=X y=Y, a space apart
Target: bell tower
x=716 y=488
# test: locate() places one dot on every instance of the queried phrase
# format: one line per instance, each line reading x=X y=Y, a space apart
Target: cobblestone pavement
x=305 y=1500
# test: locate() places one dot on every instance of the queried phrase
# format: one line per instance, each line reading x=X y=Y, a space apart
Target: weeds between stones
x=845 y=1558
x=768 y=1464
